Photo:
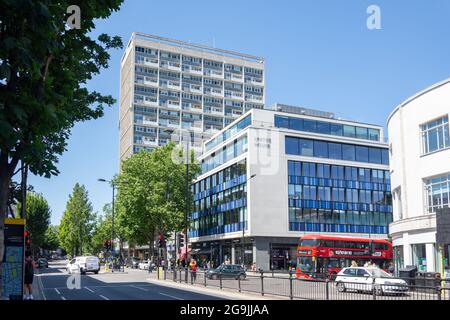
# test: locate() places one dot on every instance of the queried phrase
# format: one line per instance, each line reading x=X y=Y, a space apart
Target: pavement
x=54 y=283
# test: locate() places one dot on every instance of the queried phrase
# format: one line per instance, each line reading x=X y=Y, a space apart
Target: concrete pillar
x=407 y=254
x=233 y=253
x=262 y=253
x=431 y=257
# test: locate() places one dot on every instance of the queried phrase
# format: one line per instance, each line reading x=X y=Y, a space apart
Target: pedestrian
x=208 y=264
x=193 y=267
x=354 y=264
x=30 y=265
x=254 y=266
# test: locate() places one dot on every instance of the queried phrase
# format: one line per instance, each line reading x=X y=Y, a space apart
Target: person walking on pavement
x=193 y=267
x=354 y=264
x=30 y=265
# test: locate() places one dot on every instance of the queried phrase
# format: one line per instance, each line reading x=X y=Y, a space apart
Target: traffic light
x=161 y=241
x=27 y=236
x=107 y=244
x=180 y=240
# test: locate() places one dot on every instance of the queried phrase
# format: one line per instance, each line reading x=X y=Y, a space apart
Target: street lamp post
x=186 y=243
x=243 y=229
x=113 y=185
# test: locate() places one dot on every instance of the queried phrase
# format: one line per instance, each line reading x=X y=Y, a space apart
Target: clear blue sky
x=318 y=54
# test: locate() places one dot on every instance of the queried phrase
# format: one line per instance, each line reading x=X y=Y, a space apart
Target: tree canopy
x=44 y=69
x=152 y=192
x=38 y=215
x=77 y=223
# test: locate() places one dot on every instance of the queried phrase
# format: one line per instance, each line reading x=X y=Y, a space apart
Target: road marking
x=168 y=295
x=63 y=298
x=104 y=297
x=42 y=287
x=57 y=291
x=138 y=288
x=89 y=289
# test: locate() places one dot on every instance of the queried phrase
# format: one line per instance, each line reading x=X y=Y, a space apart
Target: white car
x=368 y=279
x=145 y=264
x=83 y=265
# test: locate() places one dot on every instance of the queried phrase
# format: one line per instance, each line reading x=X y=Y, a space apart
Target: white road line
x=63 y=298
x=139 y=288
x=57 y=291
x=89 y=289
x=42 y=288
x=105 y=298
x=168 y=295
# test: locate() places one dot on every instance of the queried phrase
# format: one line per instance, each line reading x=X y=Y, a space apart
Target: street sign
x=13 y=259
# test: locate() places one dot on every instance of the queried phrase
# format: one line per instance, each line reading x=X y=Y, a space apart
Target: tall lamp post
x=113 y=185
x=243 y=229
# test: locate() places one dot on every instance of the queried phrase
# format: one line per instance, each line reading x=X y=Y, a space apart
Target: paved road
x=131 y=285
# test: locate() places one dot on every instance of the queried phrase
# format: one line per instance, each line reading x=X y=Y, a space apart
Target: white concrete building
x=420 y=175
x=272 y=176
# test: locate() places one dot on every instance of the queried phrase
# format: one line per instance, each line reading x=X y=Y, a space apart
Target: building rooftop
x=193 y=46
x=301 y=110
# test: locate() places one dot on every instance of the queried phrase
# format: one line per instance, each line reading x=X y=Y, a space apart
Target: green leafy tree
x=38 y=215
x=103 y=229
x=153 y=193
x=51 y=241
x=44 y=68
x=77 y=223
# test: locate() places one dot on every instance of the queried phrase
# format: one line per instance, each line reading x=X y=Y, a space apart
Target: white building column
x=407 y=254
x=233 y=253
x=431 y=257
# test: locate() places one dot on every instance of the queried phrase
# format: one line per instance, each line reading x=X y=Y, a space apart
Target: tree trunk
x=6 y=173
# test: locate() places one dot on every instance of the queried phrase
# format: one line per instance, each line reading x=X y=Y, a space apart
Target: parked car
x=227 y=271
x=144 y=265
x=42 y=263
x=132 y=262
x=368 y=279
x=83 y=265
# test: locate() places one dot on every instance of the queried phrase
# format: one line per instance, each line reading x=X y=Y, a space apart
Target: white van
x=83 y=265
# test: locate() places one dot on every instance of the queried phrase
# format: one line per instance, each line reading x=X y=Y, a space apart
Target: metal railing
x=321 y=288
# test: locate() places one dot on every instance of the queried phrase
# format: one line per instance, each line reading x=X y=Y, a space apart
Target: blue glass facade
x=244 y=123
x=330 y=128
x=333 y=198
x=338 y=151
x=227 y=153
x=220 y=202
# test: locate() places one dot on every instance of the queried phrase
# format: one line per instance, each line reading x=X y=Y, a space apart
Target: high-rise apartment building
x=170 y=86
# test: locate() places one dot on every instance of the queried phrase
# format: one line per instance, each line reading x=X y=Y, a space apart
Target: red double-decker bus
x=324 y=256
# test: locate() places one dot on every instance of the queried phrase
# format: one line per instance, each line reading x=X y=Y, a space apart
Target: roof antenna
x=214 y=42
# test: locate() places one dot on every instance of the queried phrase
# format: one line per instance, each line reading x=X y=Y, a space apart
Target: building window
x=328 y=128
x=437 y=191
x=419 y=256
x=435 y=135
x=324 y=149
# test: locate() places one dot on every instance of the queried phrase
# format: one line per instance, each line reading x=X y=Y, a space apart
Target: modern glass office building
x=274 y=175
x=169 y=86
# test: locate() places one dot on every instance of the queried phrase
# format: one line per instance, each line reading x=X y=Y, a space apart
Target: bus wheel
x=333 y=276
x=341 y=287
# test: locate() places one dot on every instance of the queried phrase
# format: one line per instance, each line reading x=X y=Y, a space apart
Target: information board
x=13 y=259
